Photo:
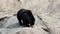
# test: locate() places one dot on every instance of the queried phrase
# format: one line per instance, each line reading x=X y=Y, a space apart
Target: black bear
x=25 y=17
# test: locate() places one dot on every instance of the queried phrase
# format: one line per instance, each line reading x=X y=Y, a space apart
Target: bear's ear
x=22 y=9
x=29 y=11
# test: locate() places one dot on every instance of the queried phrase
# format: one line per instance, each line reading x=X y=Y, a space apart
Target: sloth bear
x=25 y=17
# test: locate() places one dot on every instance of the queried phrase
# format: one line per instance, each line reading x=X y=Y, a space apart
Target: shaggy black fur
x=25 y=17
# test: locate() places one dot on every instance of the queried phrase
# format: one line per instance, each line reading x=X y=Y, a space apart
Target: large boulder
x=12 y=25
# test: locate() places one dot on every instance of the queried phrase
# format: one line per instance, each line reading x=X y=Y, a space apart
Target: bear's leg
x=31 y=24
x=19 y=19
x=20 y=22
x=26 y=24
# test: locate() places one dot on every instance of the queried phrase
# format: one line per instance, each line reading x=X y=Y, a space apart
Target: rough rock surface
x=48 y=10
x=12 y=25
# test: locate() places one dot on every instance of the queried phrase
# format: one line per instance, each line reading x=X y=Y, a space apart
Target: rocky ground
x=47 y=10
x=12 y=27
